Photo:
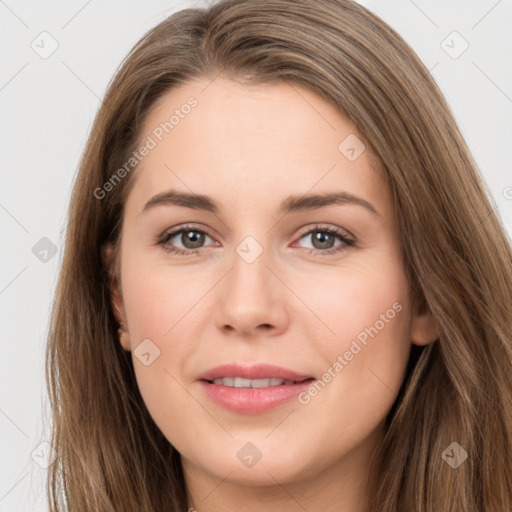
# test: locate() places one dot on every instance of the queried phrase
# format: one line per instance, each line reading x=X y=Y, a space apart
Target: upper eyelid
x=323 y=226
x=186 y=227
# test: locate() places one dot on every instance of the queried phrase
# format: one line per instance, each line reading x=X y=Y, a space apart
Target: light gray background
x=48 y=106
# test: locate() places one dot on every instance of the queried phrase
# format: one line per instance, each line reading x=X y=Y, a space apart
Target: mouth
x=240 y=382
x=252 y=390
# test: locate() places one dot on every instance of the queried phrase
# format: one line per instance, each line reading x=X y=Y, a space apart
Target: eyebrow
x=291 y=204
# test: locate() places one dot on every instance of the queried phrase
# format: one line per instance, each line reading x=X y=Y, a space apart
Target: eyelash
x=347 y=242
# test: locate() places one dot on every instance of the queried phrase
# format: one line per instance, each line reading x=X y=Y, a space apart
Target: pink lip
x=257 y=371
x=253 y=400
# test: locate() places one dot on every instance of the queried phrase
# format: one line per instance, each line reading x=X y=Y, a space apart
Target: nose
x=251 y=300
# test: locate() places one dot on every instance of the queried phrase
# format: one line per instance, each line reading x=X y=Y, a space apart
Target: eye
x=323 y=239
x=192 y=240
x=189 y=236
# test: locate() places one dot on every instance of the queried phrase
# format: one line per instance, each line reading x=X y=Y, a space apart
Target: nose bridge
x=249 y=296
x=250 y=273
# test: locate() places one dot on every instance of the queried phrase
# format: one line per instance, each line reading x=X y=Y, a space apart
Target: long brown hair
x=110 y=454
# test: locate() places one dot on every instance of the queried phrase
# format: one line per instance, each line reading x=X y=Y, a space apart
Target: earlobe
x=114 y=289
x=423 y=327
x=123 y=337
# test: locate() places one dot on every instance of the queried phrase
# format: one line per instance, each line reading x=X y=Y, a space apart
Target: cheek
x=363 y=370
x=363 y=300
x=158 y=299
x=366 y=353
x=162 y=306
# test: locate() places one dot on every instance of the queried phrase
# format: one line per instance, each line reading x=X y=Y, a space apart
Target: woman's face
x=289 y=272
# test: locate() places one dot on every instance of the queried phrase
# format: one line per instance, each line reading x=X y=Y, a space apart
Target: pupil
x=194 y=237
x=321 y=236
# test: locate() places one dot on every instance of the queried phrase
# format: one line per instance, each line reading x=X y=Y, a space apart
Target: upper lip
x=257 y=371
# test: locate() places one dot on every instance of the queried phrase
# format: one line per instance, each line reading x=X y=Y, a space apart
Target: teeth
x=239 y=382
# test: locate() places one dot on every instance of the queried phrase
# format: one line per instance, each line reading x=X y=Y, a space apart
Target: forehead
x=251 y=144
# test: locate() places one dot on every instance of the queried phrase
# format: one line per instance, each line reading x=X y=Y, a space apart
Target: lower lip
x=253 y=400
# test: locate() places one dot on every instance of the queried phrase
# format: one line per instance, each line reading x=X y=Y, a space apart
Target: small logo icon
x=44 y=455
x=454 y=45
x=44 y=45
x=146 y=352
x=454 y=455
x=249 y=249
x=44 y=250
x=351 y=147
x=249 y=455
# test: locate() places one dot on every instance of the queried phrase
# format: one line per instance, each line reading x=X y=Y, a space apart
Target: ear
x=114 y=284
x=423 y=326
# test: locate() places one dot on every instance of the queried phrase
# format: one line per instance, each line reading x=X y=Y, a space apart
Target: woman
x=202 y=358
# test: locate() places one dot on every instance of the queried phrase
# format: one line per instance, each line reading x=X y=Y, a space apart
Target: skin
x=249 y=148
